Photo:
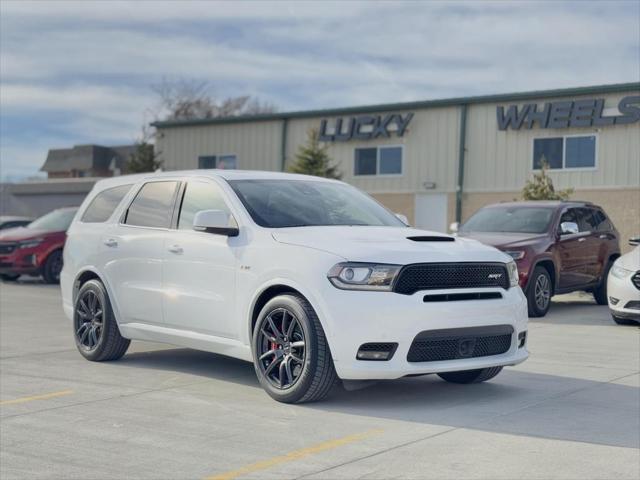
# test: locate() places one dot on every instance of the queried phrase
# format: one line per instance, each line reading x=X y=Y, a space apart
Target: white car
x=623 y=287
x=308 y=278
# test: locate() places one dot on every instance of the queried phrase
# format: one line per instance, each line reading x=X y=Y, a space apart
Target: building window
x=378 y=161
x=226 y=162
x=207 y=161
x=565 y=152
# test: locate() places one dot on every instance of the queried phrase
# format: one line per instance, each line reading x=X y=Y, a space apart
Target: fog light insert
x=614 y=300
x=376 y=351
x=522 y=339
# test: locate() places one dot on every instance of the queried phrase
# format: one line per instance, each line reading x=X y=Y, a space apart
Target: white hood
x=389 y=244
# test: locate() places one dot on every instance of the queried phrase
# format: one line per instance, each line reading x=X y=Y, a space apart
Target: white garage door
x=431 y=211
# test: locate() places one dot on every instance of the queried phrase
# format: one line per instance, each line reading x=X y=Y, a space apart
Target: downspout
x=461 y=150
x=283 y=144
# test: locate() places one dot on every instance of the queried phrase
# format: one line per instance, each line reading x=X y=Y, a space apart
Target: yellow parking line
x=45 y=396
x=295 y=455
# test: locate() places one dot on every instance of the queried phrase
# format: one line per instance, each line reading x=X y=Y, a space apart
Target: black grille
x=457 y=343
x=431 y=276
x=636 y=280
x=7 y=247
x=633 y=305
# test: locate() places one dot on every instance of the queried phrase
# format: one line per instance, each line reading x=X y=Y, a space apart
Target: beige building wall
x=430 y=151
x=257 y=145
x=503 y=160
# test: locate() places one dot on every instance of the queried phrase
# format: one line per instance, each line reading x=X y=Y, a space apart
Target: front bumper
x=19 y=262
x=623 y=297
x=353 y=318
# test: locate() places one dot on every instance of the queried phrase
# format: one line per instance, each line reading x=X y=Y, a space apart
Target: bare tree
x=191 y=99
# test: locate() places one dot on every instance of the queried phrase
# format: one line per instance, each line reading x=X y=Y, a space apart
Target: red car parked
x=37 y=248
x=559 y=247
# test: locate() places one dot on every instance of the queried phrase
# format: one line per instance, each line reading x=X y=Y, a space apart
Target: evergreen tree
x=312 y=158
x=541 y=186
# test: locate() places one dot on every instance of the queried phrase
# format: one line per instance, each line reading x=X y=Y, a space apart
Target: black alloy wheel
x=291 y=353
x=89 y=322
x=95 y=327
x=281 y=348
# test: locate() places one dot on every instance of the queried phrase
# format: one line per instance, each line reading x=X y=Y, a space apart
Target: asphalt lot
x=571 y=411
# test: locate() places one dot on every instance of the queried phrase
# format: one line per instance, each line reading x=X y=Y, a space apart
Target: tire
x=290 y=373
x=539 y=292
x=105 y=343
x=52 y=267
x=471 y=376
x=600 y=292
x=9 y=277
x=624 y=321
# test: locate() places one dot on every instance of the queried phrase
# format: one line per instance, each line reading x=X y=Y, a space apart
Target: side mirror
x=214 y=221
x=568 y=228
x=403 y=218
x=453 y=228
x=634 y=241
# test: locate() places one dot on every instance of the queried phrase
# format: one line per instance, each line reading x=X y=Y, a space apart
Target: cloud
x=91 y=64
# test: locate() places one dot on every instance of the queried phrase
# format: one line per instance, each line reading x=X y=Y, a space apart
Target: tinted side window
x=585 y=220
x=569 y=216
x=601 y=221
x=199 y=196
x=153 y=205
x=103 y=205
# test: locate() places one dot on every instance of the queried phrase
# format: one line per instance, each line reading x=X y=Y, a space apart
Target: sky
x=75 y=72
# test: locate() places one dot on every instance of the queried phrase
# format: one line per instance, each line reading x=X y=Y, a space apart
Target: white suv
x=308 y=278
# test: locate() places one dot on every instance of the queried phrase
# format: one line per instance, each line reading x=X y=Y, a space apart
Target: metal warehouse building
x=438 y=161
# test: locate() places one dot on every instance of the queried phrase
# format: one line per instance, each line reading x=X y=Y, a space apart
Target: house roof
x=506 y=97
x=86 y=157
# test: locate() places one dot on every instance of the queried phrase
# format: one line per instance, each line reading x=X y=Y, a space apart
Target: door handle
x=581 y=239
x=111 y=242
x=177 y=249
x=604 y=235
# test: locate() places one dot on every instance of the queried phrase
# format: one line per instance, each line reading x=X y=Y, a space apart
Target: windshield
x=301 y=203
x=510 y=219
x=56 y=221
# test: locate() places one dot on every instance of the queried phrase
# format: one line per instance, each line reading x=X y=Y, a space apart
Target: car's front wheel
x=539 y=291
x=52 y=267
x=290 y=351
x=471 y=376
x=600 y=292
x=95 y=328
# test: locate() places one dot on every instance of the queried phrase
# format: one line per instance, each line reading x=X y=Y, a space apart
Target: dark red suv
x=37 y=248
x=559 y=247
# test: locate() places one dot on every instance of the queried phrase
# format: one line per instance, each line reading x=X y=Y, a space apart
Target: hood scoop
x=431 y=238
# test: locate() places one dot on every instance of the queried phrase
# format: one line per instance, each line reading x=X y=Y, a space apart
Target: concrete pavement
x=571 y=411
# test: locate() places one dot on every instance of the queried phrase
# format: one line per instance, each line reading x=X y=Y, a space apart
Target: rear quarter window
x=153 y=205
x=104 y=204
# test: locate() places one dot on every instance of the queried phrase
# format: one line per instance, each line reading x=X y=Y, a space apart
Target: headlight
x=515 y=254
x=513 y=273
x=34 y=242
x=363 y=276
x=620 y=272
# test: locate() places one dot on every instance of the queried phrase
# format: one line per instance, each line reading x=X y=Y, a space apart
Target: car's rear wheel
x=539 y=292
x=95 y=328
x=600 y=292
x=290 y=351
x=624 y=321
x=52 y=267
x=471 y=376
x=9 y=277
